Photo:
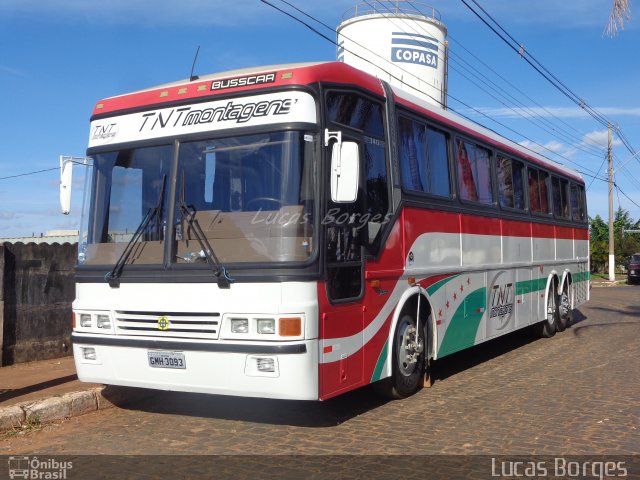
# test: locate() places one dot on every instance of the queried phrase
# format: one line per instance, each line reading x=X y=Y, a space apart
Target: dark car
x=634 y=269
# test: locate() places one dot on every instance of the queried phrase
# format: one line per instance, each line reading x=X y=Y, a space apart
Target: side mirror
x=66 y=179
x=345 y=161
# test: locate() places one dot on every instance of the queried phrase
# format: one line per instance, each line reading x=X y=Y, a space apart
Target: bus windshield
x=252 y=197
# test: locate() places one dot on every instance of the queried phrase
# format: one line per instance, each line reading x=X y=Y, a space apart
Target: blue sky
x=58 y=57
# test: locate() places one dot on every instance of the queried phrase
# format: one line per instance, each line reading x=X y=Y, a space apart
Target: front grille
x=168 y=324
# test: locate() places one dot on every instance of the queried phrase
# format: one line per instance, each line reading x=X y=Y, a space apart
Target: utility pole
x=612 y=256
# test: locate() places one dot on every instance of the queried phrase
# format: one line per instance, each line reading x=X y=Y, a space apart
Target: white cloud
x=599 y=138
x=9 y=215
x=550 y=148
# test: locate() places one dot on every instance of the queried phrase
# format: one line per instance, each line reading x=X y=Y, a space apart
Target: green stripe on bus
x=463 y=327
x=529 y=286
x=438 y=285
x=377 y=372
x=581 y=277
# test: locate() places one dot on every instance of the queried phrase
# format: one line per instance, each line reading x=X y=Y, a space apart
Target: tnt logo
x=105 y=132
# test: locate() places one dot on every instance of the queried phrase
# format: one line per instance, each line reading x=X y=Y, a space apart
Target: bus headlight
x=104 y=321
x=239 y=325
x=85 y=320
x=266 y=326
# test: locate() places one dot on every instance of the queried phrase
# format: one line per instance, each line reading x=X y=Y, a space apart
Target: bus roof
x=204 y=87
x=248 y=79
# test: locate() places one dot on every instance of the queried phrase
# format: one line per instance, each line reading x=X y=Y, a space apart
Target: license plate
x=167 y=360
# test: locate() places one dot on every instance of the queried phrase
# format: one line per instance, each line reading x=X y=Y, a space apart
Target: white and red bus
x=300 y=231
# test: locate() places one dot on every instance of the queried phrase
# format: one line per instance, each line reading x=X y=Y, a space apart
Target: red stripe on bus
x=419 y=221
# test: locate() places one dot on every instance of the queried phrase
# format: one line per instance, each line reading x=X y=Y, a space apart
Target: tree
x=598 y=243
x=624 y=245
x=598 y=229
x=620 y=11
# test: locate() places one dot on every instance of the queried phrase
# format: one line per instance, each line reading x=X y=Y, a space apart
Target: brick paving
x=577 y=393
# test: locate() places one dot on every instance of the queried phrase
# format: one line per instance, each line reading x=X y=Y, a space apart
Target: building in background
x=52 y=236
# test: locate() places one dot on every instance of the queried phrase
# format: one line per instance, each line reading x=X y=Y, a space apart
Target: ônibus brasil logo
x=34 y=468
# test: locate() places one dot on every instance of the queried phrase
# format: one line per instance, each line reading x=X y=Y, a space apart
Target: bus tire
x=408 y=359
x=565 y=314
x=549 y=326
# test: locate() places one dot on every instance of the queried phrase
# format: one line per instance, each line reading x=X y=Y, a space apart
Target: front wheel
x=408 y=360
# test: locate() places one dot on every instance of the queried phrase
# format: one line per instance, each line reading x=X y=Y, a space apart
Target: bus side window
x=474 y=174
x=534 y=191
x=423 y=158
x=517 y=169
x=578 y=213
x=543 y=184
x=538 y=191
x=560 y=203
x=505 y=182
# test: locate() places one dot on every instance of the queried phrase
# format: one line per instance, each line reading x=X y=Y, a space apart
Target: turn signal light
x=290 y=327
x=73 y=320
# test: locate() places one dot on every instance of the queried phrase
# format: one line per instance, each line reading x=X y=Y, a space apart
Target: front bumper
x=223 y=368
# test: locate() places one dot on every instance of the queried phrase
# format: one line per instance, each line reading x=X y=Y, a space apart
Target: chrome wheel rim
x=551 y=308
x=565 y=306
x=409 y=346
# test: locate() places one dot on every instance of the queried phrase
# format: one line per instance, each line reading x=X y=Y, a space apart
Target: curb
x=68 y=405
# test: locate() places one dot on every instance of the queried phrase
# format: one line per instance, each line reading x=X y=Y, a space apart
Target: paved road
x=575 y=394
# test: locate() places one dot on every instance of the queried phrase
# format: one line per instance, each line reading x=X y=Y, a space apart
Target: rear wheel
x=549 y=327
x=408 y=360
x=565 y=313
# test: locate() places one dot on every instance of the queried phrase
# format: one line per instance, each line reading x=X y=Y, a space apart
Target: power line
x=524 y=94
x=290 y=15
x=542 y=70
x=532 y=116
x=627 y=196
x=393 y=22
x=599 y=170
x=30 y=173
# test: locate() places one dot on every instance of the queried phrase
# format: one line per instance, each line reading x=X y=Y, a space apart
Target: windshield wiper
x=113 y=277
x=189 y=213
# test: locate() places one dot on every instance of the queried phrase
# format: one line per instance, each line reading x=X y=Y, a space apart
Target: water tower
x=403 y=43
